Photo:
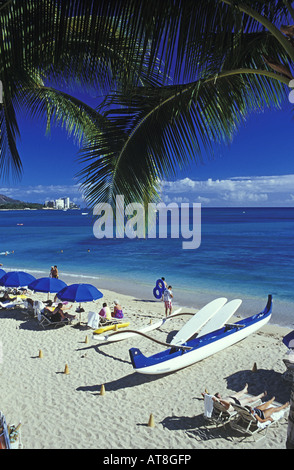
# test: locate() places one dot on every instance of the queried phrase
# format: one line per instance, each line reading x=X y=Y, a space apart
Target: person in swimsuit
x=117 y=311
x=238 y=398
x=105 y=313
x=168 y=296
x=263 y=412
x=58 y=314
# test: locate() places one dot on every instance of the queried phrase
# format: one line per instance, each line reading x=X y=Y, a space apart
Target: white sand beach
x=60 y=411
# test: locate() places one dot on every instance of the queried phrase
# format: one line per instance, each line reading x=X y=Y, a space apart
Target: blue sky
x=257 y=169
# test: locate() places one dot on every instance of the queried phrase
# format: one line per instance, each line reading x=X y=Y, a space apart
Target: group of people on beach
x=107 y=315
x=53 y=272
x=262 y=413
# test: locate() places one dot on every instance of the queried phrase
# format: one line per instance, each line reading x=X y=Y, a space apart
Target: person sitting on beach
x=263 y=412
x=168 y=295
x=117 y=311
x=6 y=297
x=105 y=312
x=238 y=399
x=58 y=314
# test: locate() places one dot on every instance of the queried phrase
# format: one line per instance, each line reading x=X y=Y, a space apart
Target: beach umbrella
x=47 y=284
x=16 y=279
x=80 y=293
x=2 y=272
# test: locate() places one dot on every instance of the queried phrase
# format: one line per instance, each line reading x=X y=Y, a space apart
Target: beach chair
x=9 y=305
x=288 y=375
x=248 y=425
x=215 y=413
x=45 y=321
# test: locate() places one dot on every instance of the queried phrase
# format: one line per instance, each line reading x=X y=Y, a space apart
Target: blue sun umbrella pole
x=47 y=285
x=80 y=293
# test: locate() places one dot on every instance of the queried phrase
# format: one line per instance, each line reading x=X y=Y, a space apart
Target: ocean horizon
x=244 y=253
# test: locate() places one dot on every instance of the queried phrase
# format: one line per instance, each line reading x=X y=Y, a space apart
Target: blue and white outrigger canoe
x=195 y=350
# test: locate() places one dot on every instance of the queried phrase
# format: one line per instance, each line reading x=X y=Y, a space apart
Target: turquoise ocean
x=245 y=253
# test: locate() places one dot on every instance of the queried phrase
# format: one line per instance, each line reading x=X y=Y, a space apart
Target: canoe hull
x=202 y=347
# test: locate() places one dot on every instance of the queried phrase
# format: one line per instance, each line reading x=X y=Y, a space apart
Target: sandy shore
x=60 y=411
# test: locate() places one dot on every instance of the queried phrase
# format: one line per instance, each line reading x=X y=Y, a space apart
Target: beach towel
x=208 y=405
x=276 y=416
x=93 y=320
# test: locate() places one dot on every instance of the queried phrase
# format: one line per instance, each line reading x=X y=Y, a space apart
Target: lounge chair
x=15 y=303
x=95 y=321
x=219 y=415
x=45 y=321
x=215 y=413
x=248 y=425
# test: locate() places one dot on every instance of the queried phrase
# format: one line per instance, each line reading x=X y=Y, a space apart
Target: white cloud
x=235 y=191
x=250 y=191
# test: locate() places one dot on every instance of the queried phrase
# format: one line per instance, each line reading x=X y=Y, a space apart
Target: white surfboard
x=197 y=321
x=221 y=317
x=129 y=334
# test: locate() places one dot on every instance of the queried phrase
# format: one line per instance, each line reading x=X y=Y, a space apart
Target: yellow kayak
x=110 y=327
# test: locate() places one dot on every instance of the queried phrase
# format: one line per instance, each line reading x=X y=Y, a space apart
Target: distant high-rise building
x=63 y=203
x=59 y=203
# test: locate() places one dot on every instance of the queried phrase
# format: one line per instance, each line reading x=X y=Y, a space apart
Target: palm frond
x=156 y=131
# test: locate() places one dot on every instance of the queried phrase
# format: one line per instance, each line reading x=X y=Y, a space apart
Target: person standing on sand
x=168 y=296
x=54 y=272
x=164 y=285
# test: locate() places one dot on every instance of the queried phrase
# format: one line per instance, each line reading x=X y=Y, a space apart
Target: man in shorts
x=167 y=296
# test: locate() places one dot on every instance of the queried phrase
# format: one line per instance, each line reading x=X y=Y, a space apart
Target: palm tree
x=227 y=58
x=47 y=46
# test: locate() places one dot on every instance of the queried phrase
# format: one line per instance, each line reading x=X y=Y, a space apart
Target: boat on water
x=192 y=351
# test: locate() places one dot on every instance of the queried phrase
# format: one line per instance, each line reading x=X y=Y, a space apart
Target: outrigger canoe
x=195 y=350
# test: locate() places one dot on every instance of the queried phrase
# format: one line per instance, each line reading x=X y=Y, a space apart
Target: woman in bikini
x=263 y=412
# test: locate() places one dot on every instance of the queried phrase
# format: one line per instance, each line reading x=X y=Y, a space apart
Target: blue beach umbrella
x=2 y=272
x=47 y=284
x=16 y=279
x=80 y=293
